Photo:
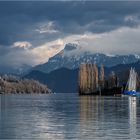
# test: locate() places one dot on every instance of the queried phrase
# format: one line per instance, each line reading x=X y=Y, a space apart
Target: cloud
x=62 y=18
x=47 y=50
x=16 y=57
x=38 y=30
x=22 y=44
x=121 y=41
x=21 y=53
x=47 y=28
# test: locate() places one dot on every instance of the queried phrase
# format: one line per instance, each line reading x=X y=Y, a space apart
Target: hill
x=66 y=80
x=12 y=84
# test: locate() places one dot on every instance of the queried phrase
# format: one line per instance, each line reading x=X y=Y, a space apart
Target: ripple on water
x=68 y=116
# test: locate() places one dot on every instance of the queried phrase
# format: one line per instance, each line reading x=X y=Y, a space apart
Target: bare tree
x=12 y=85
x=96 y=75
x=113 y=80
x=102 y=76
x=88 y=77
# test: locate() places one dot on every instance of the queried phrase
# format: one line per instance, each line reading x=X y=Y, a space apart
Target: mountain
x=61 y=81
x=73 y=55
x=15 y=70
x=66 y=80
x=123 y=70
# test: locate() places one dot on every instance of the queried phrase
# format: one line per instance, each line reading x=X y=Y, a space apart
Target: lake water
x=68 y=116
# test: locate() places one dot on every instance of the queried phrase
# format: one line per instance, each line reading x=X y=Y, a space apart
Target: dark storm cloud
x=18 y=20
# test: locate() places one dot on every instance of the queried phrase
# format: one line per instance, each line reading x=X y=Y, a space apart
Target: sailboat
x=131 y=87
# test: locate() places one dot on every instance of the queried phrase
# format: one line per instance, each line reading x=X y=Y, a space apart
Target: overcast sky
x=31 y=32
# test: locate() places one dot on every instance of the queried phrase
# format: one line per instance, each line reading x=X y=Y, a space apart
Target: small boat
x=131 y=87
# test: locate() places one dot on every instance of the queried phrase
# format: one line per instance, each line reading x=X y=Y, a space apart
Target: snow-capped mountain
x=73 y=55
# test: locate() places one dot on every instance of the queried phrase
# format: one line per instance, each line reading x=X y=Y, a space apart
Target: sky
x=32 y=32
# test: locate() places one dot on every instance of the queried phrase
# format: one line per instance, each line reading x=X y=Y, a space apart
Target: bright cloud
x=22 y=44
x=121 y=41
x=47 y=50
x=104 y=27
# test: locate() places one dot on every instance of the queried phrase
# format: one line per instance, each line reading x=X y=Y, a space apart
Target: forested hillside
x=12 y=84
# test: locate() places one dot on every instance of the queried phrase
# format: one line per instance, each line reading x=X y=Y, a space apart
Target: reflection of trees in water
x=3 y=104
x=90 y=108
x=132 y=116
x=4 y=117
x=96 y=107
x=0 y=106
x=103 y=115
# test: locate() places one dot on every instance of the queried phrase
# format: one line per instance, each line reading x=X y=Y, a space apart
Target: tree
x=113 y=80
x=102 y=76
x=88 y=78
x=95 y=70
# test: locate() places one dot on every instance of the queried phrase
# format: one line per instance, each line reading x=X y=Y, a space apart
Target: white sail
x=132 y=82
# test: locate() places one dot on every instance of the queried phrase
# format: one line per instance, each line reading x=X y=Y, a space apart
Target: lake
x=68 y=116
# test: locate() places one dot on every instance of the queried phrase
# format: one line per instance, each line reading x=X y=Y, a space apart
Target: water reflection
x=64 y=117
x=90 y=107
x=0 y=105
x=38 y=116
x=133 y=116
x=91 y=110
x=104 y=117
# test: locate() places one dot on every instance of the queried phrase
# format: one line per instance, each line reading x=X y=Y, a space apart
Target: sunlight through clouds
x=22 y=44
x=40 y=30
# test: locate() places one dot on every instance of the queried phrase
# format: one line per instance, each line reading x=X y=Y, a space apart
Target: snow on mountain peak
x=137 y=56
x=74 y=54
x=110 y=55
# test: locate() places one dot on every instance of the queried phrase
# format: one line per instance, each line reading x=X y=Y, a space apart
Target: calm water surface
x=68 y=116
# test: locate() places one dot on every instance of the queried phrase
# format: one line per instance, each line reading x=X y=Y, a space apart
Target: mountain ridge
x=66 y=80
x=73 y=55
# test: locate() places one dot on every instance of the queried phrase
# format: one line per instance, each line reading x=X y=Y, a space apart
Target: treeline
x=91 y=79
x=13 y=84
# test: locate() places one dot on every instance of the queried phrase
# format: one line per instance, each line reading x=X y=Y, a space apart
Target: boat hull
x=115 y=91
x=132 y=93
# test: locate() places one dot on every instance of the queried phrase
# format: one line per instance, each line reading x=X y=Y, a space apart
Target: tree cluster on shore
x=90 y=80
x=13 y=84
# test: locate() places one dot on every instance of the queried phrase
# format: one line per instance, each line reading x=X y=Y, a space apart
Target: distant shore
x=14 y=85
